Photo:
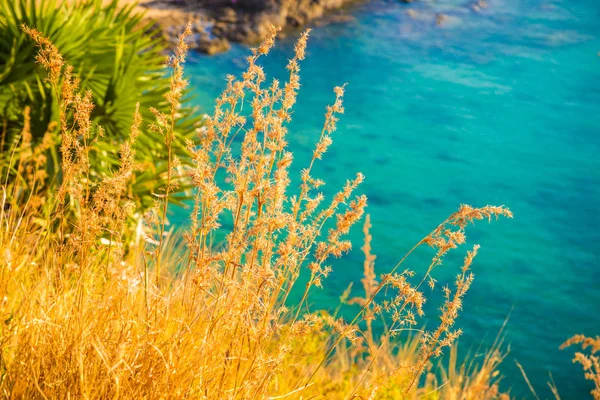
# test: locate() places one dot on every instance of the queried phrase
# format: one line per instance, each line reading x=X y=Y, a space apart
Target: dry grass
x=89 y=312
x=589 y=362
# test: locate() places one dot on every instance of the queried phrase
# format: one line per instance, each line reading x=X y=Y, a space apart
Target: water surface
x=501 y=107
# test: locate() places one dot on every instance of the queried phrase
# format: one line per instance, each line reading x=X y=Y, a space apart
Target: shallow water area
x=499 y=105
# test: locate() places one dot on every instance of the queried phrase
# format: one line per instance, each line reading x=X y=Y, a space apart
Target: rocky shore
x=216 y=23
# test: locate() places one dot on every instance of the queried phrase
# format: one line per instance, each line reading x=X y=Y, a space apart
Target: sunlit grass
x=92 y=309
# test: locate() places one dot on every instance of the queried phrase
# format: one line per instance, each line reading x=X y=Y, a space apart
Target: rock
x=440 y=19
x=246 y=21
x=228 y=15
x=447 y=21
x=199 y=26
x=478 y=5
x=212 y=46
x=205 y=43
x=292 y=21
x=260 y=26
x=219 y=29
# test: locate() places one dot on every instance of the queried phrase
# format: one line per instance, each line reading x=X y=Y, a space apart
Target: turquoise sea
x=500 y=106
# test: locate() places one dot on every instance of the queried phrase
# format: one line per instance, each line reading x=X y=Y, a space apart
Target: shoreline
x=218 y=23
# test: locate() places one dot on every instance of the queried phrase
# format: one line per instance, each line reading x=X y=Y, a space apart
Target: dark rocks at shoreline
x=216 y=23
x=201 y=38
x=248 y=21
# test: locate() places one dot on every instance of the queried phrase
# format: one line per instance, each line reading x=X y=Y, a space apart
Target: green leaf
x=117 y=57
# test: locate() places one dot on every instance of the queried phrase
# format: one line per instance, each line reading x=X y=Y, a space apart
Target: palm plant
x=119 y=56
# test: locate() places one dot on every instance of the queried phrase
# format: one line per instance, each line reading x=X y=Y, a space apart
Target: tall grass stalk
x=82 y=317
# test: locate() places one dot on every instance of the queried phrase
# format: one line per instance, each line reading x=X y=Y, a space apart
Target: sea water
x=497 y=106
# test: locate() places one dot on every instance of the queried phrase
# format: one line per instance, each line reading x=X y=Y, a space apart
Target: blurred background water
x=499 y=106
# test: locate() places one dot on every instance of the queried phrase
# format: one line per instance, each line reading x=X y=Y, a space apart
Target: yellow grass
x=589 y=362
x=90 y=310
